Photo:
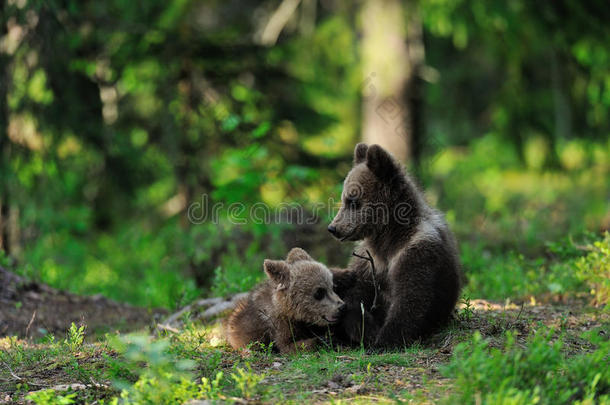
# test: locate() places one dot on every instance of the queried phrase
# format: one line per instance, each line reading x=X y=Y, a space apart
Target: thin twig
x=10 y=370
x=27 y=330
x=520 y=311
x=372 y=262
x=514 y=323
x=16 y=377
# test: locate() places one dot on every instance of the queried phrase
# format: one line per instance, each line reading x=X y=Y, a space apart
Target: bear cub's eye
x=319 y=294
x=352 y=202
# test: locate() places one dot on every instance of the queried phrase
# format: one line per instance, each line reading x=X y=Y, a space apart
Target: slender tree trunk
x=392 y=54
x=14 y=232
x=415 y=84
x=561 y=106
x=4 y=152
x=1 y=226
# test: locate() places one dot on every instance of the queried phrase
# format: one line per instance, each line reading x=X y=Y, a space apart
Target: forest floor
x=32 y=310
x=95 y=370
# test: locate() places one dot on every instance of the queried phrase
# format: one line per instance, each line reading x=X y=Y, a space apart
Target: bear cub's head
x=304 y=289
x=376 y=194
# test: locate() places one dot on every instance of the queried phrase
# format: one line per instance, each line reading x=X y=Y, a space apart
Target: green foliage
x=51 y=397
x=565 y=268
x=5 y=260
x=240 y=252
x=492 y=200
x=118 y=117
x=75 y=336
x=594 y=269
x=168 y=375
x=467 y=312
x=491 y=35
x=538 y=372
x=165 y=389
x=62 y=362
x=165 y=380
x=247 y=382
x=211 y=389
x=500 y=275
x=16 y=353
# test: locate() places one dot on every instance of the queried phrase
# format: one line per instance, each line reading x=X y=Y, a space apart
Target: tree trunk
x=415 y=83
x=392 y=54
x=561 y=107
x=4 y=163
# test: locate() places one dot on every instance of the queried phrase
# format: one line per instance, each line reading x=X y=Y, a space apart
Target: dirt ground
x=32 y=310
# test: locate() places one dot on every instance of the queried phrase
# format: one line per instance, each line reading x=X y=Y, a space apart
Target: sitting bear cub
x=407 y=267
x=291 y=309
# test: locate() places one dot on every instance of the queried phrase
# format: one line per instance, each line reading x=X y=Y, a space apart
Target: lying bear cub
x=291 y=309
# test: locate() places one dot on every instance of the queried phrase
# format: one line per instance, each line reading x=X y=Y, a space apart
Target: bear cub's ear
x=360 y=153
x=381 y=163
x=278 y=271
x=297 y=254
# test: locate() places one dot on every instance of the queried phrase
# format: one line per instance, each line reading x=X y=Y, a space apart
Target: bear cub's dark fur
x=417 y=272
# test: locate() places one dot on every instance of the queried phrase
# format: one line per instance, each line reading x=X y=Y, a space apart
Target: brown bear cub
x=292 y=309
x=410 y=283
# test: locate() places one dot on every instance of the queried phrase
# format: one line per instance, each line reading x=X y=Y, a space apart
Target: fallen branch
x=168 y=328
x=206 y=308
x=70 y=387
x=16 y=377
x=10 y=370
x=173 y=318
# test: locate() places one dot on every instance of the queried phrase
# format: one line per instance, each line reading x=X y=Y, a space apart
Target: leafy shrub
x=491 y=199
x=247 y=381
x=51 y=397
x=537 y=373
x=132 y=264
x=75 y=336
x=594 y=269
x=165 y=380
x=164 y=389
x=499 y=275
x=169 y=267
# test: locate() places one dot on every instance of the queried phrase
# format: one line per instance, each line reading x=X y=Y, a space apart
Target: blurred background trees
x=116 y=116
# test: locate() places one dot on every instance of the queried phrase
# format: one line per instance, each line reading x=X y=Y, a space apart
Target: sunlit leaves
x=37 y=88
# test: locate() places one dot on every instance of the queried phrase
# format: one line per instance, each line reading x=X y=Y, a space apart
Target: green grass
x=464 y=364
x=487 y=356
x=533 y=371
x=565 y=267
